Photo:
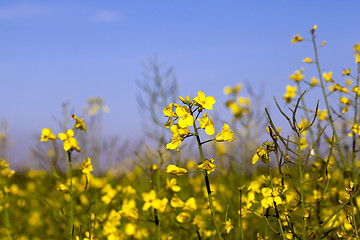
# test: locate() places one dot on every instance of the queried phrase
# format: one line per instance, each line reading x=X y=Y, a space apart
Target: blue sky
x=55 y=50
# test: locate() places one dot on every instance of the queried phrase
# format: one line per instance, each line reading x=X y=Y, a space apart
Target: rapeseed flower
x=290 y=93
x=328 y=77
x=186 y=119
x=172 y=169
x=263 y=152
x=225 y=135
x=314 y=81
x=297 y=76
x=295 y=39
x=307 y=60
x=207 y=165
x=204 y=102
x=182 y=217
x=46 y=135
x=86 y=166
x=228 y=225
x=79 y=124
x=207 y=124
x=70 y=143
x=171 y=185
x=176 y=202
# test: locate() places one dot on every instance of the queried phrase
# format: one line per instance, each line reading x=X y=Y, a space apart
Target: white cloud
x=19 y=11
x=107 y=16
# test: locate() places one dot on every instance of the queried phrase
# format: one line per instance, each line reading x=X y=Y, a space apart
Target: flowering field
x=300 y=183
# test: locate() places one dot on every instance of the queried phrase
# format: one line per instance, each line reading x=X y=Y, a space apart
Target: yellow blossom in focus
x=186 y=119
x=207 y=124
x=204 y=102
x=228 y=225
x=86 y=166
x=307 y=60
x=46 y=135
x=79 y=124
x=207 y=165
x=290 y=93
x=70 y=142
x=297 y=76
x=172 y=169
x=328 y=77
x=185 y=100
x=263 y=152
x=225 y=135
x=295 y=39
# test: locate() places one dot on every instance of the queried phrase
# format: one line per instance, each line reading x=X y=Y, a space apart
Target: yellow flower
x=175 y=143
x=186 y=119
x=207 y=124
x=151 y=200
x=172 y=169
x=129 y=209
x=63 y=188
x=328 y=77
x=297 y=76
x=70 y=142
x=225 y=135
x=307 y=60
x=356 y=90
x=345 y=100
x=263 y=152
x=295 y=39
x=86 y=166
x=204 y=102
x=290 y=93
x=79 y=124
x=207 y=165
x=171 y=184
x=186 y=100
x=322 y=114
x=190 y=205
x=356 y=128
x=46 y=135
x=227 y=90
x=314 y=81
x=228 y=225
x=176 y=202
x=183 y=217
x=346 y=72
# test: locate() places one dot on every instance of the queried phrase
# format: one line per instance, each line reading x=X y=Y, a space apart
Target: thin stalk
x=326 y=101
x=302 y=198
x=71 y=216
x=207 y=181
x=277 y=215
x=354 y=137
x=353 y=216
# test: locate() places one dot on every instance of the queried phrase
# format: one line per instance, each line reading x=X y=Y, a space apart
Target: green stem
x=278 y=217
x=354 y=137
x=302 y=198
x=207 y=181
x=326 y=102
x=353 y=216
x=71 y=216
